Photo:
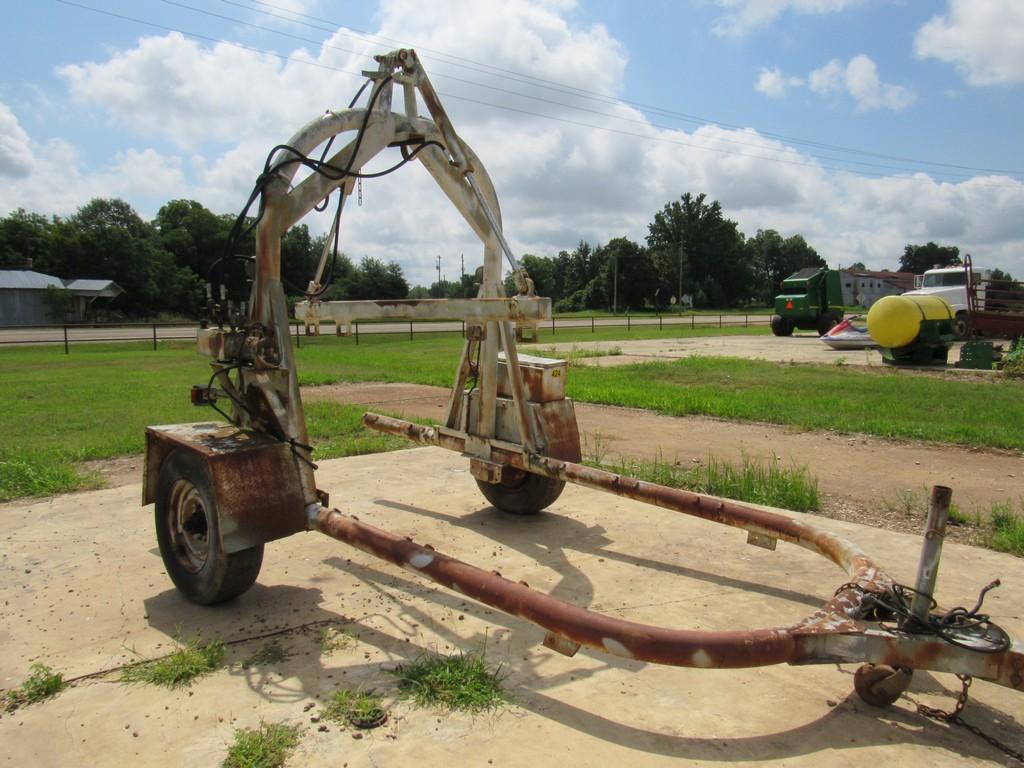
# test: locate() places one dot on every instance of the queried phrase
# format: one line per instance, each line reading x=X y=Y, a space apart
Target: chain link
x=953 y=718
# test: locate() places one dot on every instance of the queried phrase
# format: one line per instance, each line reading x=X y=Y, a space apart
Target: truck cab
x=949 y=283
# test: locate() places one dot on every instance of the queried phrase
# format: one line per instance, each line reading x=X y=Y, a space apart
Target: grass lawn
x=96 y=402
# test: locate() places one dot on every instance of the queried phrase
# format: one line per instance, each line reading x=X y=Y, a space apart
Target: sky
x=863 y=125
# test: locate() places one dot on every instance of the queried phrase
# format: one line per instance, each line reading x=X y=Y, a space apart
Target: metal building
x=26 y=297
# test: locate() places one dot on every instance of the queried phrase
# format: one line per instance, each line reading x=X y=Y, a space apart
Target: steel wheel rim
x=189 y=523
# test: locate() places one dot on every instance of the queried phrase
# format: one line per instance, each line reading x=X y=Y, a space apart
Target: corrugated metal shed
x=26 y=279
x=24 y=299
x=102 y=288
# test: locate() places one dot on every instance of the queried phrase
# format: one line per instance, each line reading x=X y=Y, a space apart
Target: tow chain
x=953 y=718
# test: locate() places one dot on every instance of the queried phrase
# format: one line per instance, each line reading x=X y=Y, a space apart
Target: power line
x=565 y=88
x=543 y=116
x=646 y=123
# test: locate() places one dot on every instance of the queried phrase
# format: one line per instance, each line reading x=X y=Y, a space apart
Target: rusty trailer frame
x=222 y=491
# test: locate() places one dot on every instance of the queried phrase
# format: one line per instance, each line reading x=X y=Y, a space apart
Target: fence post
x=719 y=321
x=591 y=323
x=154 y=337
x=298 y=337
x=410 y=330
x=66 y=340
x=746 y=324
x=357 y=333
x=552 y=323
x=627 y=321
x=463 y=329
x=691 y=321
x=659 y=322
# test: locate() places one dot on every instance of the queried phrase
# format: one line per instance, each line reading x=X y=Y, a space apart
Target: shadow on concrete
x=536 y=535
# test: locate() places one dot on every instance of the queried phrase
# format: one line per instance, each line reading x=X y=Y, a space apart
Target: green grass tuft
x=767 y=483
x=38 y=474
x=41 y=683
x=460 y=682
x=358 y=708
x=1006 y=530
x=265 y=747
x=179 y=668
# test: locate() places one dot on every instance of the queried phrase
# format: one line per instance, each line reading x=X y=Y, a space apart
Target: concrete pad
x=83 y=586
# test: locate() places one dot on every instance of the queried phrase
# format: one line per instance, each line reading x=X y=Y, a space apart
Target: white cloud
x=981 y=37
x=744 y=16
x=774 y=84
x=869 y=92
x=859 y=79
x=15 y=152
x=223 y=109
x=826 y=79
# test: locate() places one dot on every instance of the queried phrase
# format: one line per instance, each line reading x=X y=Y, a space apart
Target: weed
x=265 y=747
x=460 y=681
x=1013 y=361
x=179 y=668
x=595 y=447
x=41 y=683
x=331 y=639
x=1006 y=530
x=840 y=362
x=269 y=654
x=358 y=708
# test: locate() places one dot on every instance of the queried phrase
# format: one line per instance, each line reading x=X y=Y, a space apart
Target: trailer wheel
x=879 y=684
x=960 y=325
x=522 y=493
x=187 y=530
x=782 y=326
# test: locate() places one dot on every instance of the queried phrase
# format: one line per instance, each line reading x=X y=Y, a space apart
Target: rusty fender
x=833 y=634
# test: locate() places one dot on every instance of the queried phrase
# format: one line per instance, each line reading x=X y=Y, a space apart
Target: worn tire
x=961 y=327
x=782 y=326
x=187 y=530
x=522 y=493
x=879 y=684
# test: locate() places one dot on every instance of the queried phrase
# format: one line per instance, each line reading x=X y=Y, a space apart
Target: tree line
x=163 y=264
x=692 y=254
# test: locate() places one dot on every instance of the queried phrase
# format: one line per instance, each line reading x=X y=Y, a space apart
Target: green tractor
x=811 y=300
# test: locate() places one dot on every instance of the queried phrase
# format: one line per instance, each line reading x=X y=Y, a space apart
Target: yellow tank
x=895 y=321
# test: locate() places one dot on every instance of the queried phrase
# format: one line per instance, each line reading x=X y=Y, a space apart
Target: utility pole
x=615 y=290
x=439 y=268
x=462 y=275
x=679 y=296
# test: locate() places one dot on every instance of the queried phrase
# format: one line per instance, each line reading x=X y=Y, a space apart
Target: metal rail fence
x=67 y=335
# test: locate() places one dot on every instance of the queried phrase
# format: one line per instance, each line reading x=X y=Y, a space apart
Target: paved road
x=146 y=332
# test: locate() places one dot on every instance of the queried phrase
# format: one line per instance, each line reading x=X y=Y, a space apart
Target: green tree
x=23 y=237
x=193 y=235
x=773 y=259
x=107 y=239
x=373 y=279
x=696 y=250
x=918 y=258
x=629 y=277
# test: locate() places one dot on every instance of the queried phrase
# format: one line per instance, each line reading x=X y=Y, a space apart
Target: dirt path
x=862 y=479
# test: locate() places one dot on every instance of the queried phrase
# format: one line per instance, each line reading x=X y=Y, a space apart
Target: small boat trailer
x=221 y=491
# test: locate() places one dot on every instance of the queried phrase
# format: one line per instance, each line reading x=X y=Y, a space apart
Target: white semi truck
x=950 y=283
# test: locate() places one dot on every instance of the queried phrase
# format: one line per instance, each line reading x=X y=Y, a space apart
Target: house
x=863 y=287
x=32 y=298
